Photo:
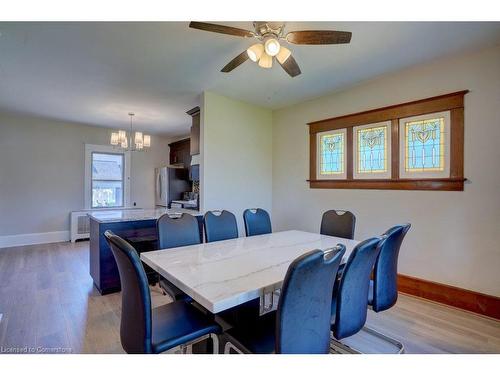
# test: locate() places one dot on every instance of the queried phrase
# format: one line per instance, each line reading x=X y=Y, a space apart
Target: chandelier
x=123 y=141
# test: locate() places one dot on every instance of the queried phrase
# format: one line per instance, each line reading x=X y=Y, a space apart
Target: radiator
x=80 y=225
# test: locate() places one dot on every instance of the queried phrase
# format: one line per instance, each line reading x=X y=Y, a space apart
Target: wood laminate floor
x=48 y=304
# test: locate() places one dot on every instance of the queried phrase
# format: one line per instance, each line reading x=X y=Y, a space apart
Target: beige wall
x=455 y=237
x=236 y=154
x=42 y=165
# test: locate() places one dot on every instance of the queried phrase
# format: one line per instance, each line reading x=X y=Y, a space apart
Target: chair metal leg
x=188 y=347
x=398 y=344
x=215 y=343
x=337 y=347
x=229 y=345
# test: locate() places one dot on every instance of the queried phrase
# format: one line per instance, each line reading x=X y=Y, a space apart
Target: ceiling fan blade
x=221 y=29
x=318 y=37
x=290 y=66
x=234 y=63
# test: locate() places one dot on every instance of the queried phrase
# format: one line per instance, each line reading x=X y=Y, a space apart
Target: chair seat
x=258 y=337
x=173 y=291
x=178 y=323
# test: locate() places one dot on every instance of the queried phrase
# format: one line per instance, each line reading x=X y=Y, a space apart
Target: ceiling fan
x=269 y=35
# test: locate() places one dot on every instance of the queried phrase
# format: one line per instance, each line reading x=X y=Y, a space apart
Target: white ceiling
x=96 y=73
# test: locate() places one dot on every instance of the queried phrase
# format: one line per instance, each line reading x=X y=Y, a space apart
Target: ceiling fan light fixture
x=283 y=55
x=272 y=47
x=255 y=52
x=266 y=61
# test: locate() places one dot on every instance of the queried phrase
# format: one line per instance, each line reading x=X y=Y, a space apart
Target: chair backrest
x=135 y=326
x=352 y=292
x=177 y=231
x=304 y=308
x=220 y=227
x=338 y=223
x=385 y=275
x=257 y=221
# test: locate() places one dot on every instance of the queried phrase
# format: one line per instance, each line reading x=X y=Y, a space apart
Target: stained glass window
x=424 y=145
x=332 y=154
x=371 y=149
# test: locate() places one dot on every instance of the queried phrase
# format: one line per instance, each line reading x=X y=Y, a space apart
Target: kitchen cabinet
x=195 y=130
x=180 y=153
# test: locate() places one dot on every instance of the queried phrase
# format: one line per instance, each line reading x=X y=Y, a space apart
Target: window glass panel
x=425 y=146
x=372 y=150
x=107 y=166
x=107 y=180
x=424 y=143
x=107 y=193
x=332 y=153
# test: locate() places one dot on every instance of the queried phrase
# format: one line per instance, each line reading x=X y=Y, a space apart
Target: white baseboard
x=34 y=238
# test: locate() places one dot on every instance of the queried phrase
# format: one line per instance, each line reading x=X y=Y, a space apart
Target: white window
x=106 y=177
x=372 y=150
x=424 y=150
x=331 y=151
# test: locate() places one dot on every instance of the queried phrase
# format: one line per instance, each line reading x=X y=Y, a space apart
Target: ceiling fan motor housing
x=268 y=29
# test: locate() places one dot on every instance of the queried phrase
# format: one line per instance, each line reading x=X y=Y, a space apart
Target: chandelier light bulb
x=114 y=139
x=122 y=136
x=138 y=138
x=272 y=47
x=147 y=141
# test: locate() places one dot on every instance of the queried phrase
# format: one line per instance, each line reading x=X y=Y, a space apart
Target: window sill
x=446 y=184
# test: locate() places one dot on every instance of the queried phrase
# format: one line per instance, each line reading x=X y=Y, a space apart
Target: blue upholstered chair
x=301 y=323
x=338 y=223
x=257 y=221
x=350 y=295
x=220 y=225
x=383 y=292
x=384 y=286
x=146 y=330
x=176 y=231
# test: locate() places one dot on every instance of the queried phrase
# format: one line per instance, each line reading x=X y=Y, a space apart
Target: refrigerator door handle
x=160 y=185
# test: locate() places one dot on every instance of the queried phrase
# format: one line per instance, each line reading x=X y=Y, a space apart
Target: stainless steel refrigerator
x=171 y=183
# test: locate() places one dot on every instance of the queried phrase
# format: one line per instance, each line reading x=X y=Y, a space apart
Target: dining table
x=225 y=274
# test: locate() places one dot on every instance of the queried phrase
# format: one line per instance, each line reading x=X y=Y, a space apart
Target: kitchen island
x=136 y=226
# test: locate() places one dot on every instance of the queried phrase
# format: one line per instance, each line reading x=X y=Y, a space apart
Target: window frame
x=452 y=102
x=90 y=149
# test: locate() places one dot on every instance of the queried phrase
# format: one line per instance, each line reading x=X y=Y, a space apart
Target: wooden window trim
x=453 y=102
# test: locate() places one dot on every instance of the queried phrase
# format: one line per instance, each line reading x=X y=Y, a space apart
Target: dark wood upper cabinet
x=195 y=130
x=180 y=153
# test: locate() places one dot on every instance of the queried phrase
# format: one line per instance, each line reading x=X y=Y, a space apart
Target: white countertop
x=220 y=275
x=116 y=216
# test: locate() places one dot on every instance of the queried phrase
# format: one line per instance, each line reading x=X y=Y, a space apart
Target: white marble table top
x=115 y=216
x=220 y=275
